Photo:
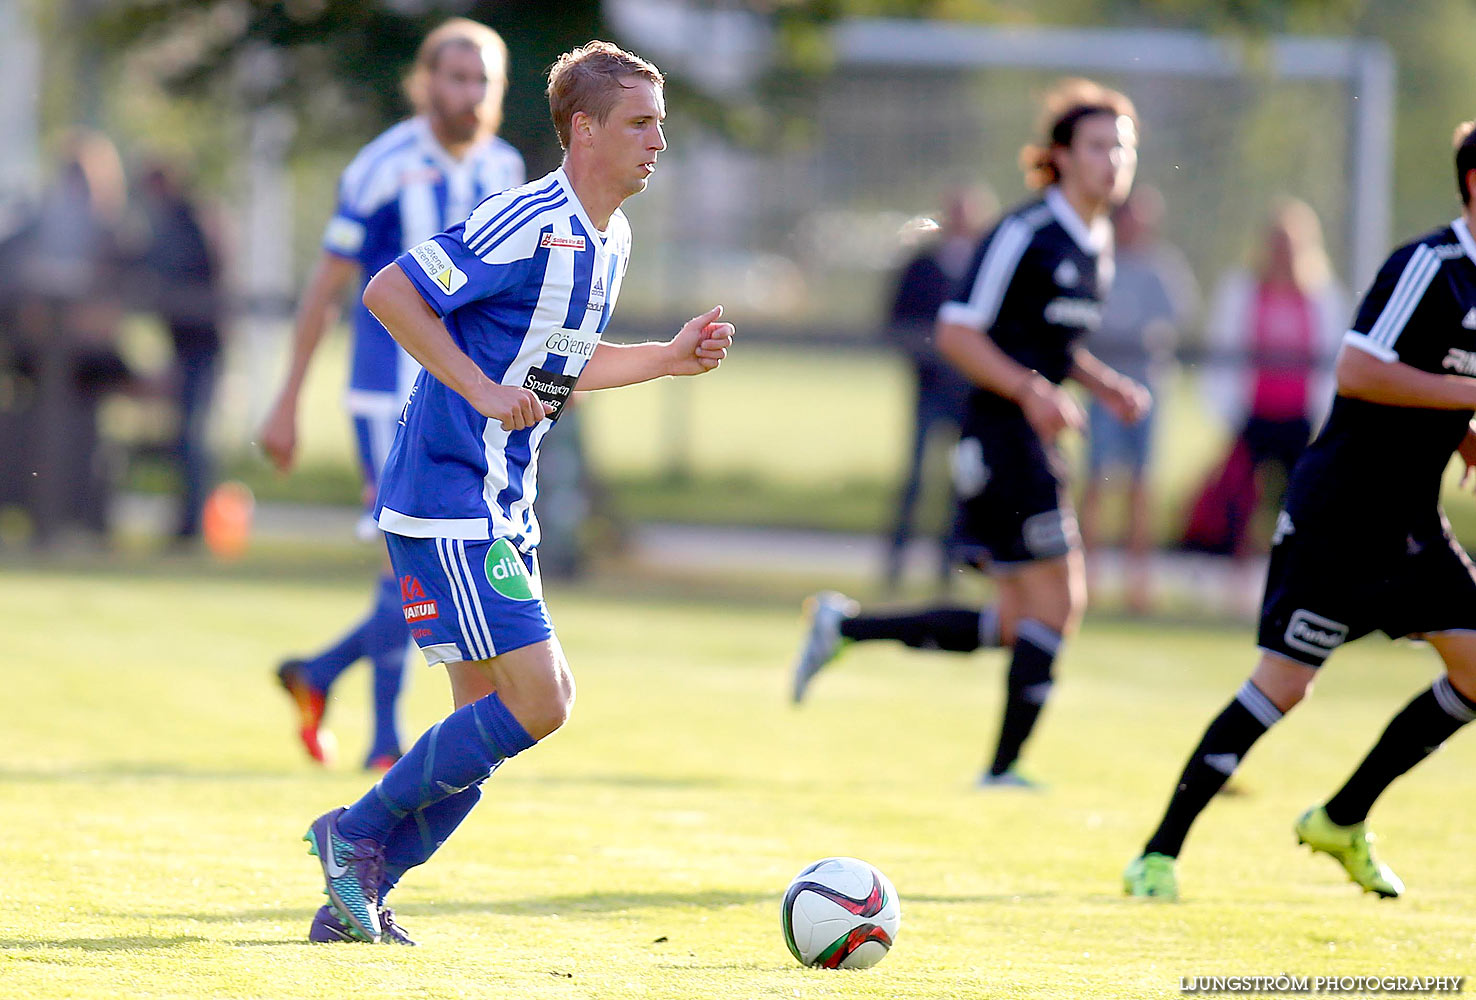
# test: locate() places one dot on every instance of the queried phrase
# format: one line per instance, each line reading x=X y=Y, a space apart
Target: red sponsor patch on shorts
x=421 y=611
x=569 y=242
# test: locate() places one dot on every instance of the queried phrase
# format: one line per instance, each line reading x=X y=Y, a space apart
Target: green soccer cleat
x=1351 y=847
x=1151 y=876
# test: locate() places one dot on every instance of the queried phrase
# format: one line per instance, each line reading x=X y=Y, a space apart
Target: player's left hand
x=1129 y=401
x=701 y=344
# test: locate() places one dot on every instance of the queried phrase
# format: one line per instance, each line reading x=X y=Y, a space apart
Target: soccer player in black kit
x=1013 y=328
x=1363 y=545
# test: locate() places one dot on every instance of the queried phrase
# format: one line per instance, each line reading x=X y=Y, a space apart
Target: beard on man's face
x=457 y=120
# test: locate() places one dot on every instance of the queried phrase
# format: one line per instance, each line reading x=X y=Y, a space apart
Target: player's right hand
x=1049 y=409
x=513 y=406
x=278 y=436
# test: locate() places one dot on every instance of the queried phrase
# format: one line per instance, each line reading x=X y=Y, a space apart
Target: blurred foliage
x=338 y=63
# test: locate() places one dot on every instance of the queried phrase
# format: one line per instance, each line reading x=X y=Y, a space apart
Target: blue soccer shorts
x=469 y=600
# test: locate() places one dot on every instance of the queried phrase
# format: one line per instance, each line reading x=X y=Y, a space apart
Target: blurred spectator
x=183 y=274
x=65 y=266
x=1153 y=297
x=941 y=392
x=1273 y=333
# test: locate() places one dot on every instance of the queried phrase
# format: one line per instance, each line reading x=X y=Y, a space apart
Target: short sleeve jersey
x=526 y=286
x=1388 y=460
x=401 y=190
x=1036 y=289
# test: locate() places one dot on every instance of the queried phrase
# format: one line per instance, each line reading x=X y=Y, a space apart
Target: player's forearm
x=317 y=312
x=614 y=365
x=395 y=302
x=1392 y=383
x=1097 y=378
x=982 y=362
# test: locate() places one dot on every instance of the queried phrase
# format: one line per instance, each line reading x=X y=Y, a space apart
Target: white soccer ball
x=840 y=913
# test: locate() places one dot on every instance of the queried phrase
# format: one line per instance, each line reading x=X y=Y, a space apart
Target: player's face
x=465 y=90
x=627 y=144
x=1102 y=159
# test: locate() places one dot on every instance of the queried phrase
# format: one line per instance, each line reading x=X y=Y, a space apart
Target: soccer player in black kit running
x=1014 y=328
x=1363 y=545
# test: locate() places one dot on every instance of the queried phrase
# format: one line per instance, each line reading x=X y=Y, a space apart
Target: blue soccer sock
x=386 y=642
x=389 y=678
x=421 y=834
x=322 y=670
x=454 y=754
x=362 y=640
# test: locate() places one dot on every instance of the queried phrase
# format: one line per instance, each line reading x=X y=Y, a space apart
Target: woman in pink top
x=1272 y=332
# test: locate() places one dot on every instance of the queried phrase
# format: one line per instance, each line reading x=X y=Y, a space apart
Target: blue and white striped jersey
x=401 y=190
x=525 y=286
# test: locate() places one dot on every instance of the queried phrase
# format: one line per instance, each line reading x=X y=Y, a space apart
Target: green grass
x=153 y=799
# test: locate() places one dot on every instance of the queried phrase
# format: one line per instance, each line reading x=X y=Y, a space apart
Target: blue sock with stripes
x=454 y=754
x=421 y=834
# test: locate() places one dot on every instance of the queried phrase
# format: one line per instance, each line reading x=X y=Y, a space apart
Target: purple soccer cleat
x=391 y=932
x=328 y=929
x=351 y=873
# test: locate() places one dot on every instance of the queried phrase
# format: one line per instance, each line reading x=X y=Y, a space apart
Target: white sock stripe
x=475 y=599
x=458 y=598
x=1256 y=702
x=1038 y=694
x=988 y=628
x=1451 y=701
x=1039 y=635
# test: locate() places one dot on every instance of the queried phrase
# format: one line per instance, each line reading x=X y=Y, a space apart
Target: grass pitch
x=153 y=798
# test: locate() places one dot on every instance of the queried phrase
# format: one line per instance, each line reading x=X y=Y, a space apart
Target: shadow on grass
x=589 y=902
x=593 y=902
x=135 y=770
x=129 y=942
x=616 y=780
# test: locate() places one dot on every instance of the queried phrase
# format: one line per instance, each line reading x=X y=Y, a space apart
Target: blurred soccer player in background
x=415 y=180
x=505 y=311
x=941 y=393
x=1153 y=297
x=1362 y=545
x=1014 y=328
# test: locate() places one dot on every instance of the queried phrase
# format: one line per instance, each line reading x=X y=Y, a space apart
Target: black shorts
x=1328 y=586
x=1012 y=507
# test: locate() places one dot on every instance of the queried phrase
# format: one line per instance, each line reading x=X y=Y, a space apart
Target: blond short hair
x=591 y=79
x=456 y=31
x=1065 y=105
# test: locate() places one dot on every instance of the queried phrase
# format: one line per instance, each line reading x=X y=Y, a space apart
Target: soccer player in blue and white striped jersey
x=505 y=311
x=415 y=180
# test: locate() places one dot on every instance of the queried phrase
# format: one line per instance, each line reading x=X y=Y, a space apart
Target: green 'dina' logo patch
x=506 y=572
